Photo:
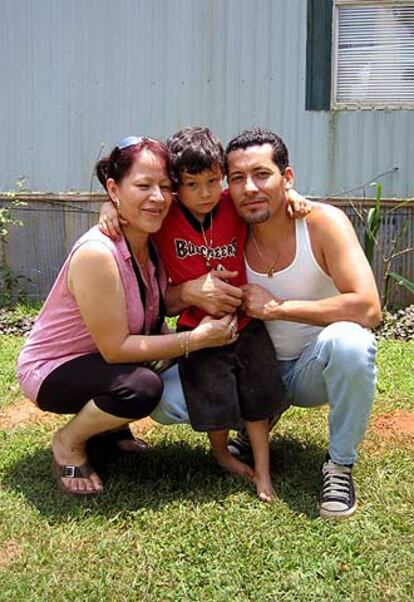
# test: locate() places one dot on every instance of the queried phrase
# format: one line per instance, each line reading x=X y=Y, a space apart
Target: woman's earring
x=116 y=203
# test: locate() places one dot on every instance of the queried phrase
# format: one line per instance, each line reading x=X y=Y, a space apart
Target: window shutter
x=318 y=55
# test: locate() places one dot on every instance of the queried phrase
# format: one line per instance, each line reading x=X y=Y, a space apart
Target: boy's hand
x=212 y=293
x=110 y=221
x=218 y=296
x=297 y=205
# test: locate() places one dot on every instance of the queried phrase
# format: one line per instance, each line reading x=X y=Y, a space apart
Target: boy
x=235 y=383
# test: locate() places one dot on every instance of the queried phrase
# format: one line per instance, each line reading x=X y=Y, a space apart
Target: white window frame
x=358 y=104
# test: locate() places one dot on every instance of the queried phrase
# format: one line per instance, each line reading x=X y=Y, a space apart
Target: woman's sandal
x=69 y=471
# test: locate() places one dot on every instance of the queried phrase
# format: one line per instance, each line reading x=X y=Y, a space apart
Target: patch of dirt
x=394 y=428
x=396 y=425
x=26 y=413
x=9 y=552
x=143 y=427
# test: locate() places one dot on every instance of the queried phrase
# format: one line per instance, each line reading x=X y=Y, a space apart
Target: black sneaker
x=338 y=493
x=239 y=446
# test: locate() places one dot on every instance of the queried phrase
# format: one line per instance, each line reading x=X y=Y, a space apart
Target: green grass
x=171 y=526
x=9 y=349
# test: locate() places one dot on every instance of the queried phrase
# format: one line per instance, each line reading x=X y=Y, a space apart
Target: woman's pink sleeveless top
x=59 y=333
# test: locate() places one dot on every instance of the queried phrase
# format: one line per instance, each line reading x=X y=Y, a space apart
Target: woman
x=102 y=322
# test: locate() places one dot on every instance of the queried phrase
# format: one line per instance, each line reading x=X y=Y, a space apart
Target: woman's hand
x=214 y=333
x=110 y=221
x=297 y=205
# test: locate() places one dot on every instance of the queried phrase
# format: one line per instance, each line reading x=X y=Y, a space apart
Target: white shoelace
x=337 y=482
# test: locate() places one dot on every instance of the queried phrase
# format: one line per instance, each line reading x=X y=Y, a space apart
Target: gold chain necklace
x=209 y=245
x=270 y=270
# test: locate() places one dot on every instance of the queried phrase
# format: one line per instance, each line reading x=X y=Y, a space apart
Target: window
x=373 y=54
x=360 y=54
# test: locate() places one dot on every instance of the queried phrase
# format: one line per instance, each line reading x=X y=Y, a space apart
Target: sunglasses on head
x=131 y=141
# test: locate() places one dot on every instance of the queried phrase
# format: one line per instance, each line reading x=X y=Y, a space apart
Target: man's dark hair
x=194 y=150
x=257 y=137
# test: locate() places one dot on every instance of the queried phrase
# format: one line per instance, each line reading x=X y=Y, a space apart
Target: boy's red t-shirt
x=183 y=249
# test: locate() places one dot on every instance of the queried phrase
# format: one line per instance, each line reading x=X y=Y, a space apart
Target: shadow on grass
x=296 y=473
x=169 y=472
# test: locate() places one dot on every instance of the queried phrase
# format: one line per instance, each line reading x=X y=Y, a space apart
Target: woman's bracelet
x=184 y=342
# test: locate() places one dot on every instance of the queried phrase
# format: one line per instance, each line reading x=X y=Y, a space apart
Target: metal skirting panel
x=396 y=241
x=37 y=250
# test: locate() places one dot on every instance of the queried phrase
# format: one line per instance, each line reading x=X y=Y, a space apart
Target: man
x=312 y=285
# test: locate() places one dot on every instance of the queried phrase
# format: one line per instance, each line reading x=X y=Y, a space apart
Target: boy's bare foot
x=264 y=488
x=227 y=461
x=65 y=454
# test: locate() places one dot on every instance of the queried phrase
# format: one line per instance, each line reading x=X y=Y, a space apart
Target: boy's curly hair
x=194 y=150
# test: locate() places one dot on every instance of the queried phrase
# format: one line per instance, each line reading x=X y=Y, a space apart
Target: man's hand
x=259 y=303
x=210 y=292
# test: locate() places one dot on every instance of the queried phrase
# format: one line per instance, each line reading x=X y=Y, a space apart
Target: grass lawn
x=171 y=526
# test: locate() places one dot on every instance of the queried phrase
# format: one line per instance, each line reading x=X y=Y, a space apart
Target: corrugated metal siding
x=76 y=74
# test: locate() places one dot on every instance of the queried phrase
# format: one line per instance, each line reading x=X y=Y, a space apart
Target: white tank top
x=303 y=279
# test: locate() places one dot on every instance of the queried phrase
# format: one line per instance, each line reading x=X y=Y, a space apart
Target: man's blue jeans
x=337 y=368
